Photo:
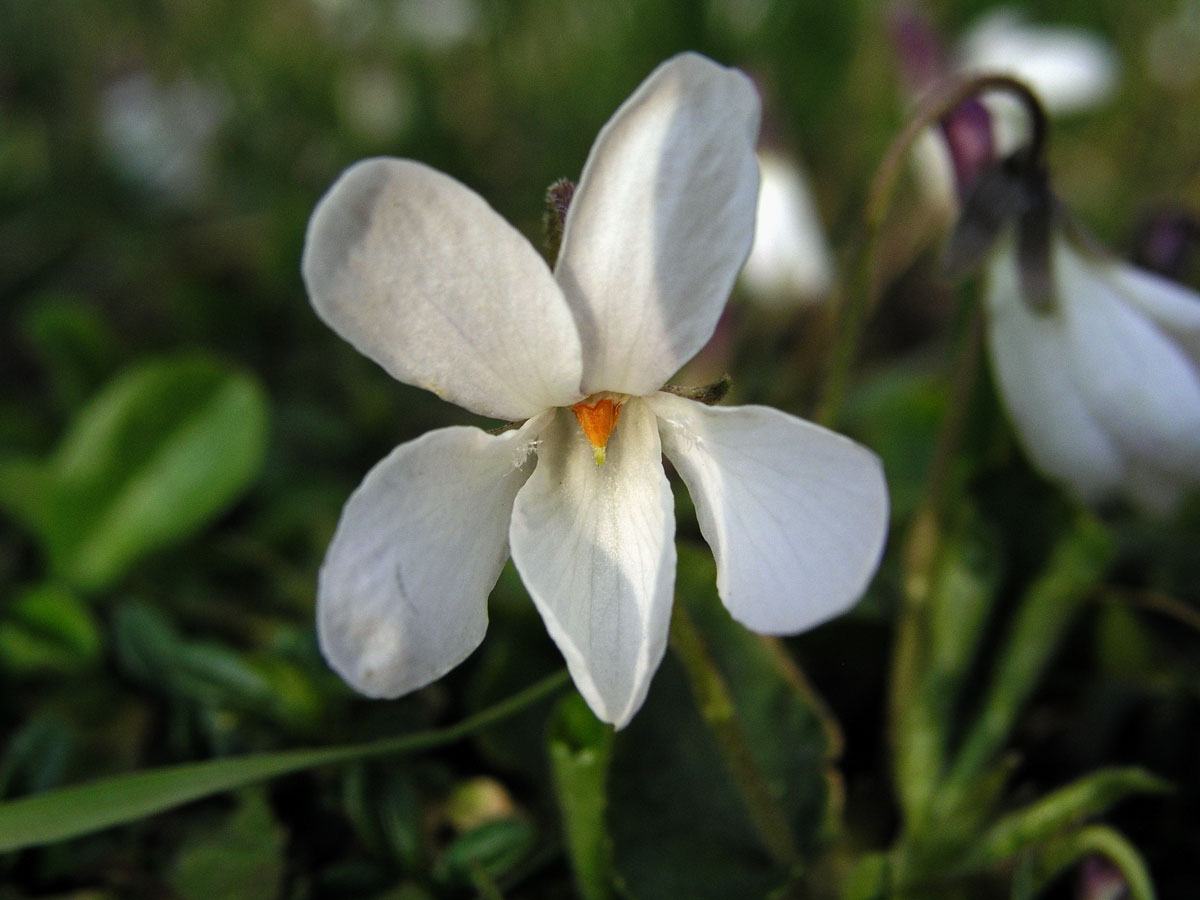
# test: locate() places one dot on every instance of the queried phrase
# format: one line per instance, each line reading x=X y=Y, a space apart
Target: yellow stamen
x=598 y=419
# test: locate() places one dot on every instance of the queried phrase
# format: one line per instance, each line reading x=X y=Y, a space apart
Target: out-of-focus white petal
x=796 y=515
x=790 y=263
x=402 y=595
x=594 y=546
x=1172 y=307
x=661 y=223
x=1141 y=388
x=1068 y=68
x=421 y=275
x=1061 y=435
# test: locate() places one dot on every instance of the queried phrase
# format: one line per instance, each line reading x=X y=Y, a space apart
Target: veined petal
x=661 y=223
x=595 y=547
x=402 y=595
x=1172 y=307
x=1141 y=387
x=421 y=275
x=1057 y=428
x=796 y=515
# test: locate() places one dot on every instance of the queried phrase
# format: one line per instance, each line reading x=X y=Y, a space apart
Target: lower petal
x=595 y=547
x=796 y=515
x=402 y=595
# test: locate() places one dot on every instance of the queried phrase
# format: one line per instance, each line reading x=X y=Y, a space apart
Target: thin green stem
x=716 y=708
x=858 y=300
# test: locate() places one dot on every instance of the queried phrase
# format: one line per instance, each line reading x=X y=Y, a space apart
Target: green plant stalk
x=81 y=809
x=716 y=707
x=916 y=728
x=858 y=301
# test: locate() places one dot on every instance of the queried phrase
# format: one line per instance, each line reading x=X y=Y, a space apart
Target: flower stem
x=716 y=708
x=858 y=298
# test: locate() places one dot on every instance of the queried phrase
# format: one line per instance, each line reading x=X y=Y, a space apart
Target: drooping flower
x=421 y=275
x=1103 y=384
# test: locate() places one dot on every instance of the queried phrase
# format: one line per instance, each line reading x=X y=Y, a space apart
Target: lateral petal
x=421 y=275
x=661 y=223
x=1059 y=431
x=1140 y=386
x=595 y=547
x=795 y=514
x=402 y=594
x=1173 y=307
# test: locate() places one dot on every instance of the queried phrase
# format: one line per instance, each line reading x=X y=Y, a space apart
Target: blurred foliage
x=178 y=433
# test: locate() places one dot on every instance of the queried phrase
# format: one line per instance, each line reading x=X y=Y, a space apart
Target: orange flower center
x=598 y=418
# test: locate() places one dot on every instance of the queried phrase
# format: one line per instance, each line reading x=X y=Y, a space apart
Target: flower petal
x=1142 y=389
x=594 y=546
x=1060 y=433
x=402 y=595
x=421 y=275
x=1172 y=307
x=661 y=223
x=796 y=515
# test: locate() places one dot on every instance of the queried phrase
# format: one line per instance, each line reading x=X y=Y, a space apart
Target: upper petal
x=402 y=595
x=1054 y=423
x=594 y=546
x=1143 y=390
x=661 y=223
x=420 y=274
x=796 y=515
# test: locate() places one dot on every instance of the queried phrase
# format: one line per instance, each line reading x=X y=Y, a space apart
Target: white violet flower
x=422 y=276
x=1104 y=385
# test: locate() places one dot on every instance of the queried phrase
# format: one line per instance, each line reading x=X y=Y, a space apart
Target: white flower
x=421 y=275
x=1104 y=387
x=790 y=262
x=1070 y=69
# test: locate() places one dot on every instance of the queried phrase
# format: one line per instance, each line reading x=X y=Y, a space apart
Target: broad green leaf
x=1043 y=819
x=580 y=754
x=36 y=756
x=241 y=859
x=73 y=811
x=159 y=452
x=679 y=825
x=49 y=629
x=381 y=800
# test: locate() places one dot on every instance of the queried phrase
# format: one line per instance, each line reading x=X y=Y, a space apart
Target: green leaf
x=1077 y=566
x=490 y=850
x=679 y=825
x=73 y=811
x=1098 y=840
x=580 y=754
x=241 y=859
x=49 y=629
x=163 y=449
x=1045 y=818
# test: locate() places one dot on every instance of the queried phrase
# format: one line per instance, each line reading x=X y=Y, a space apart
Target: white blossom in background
x=161 y=135
x=1104 y=386
x=790 y=263
x=1071 y=70
x=421 y=275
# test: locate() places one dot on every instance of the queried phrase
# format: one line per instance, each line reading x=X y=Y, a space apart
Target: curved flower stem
x=858 y=299
x=716 y=708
